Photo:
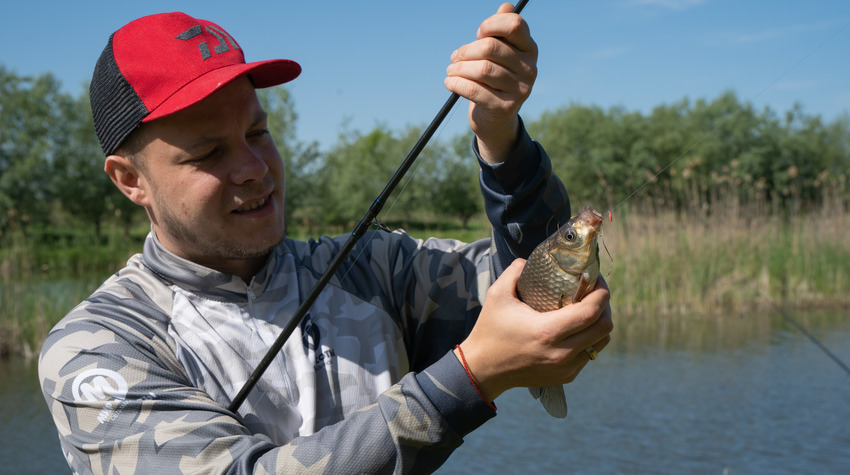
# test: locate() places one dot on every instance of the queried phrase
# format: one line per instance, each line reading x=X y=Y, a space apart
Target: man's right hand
x=512 y=345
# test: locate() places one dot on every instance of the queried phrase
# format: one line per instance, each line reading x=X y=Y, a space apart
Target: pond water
x=688 y=395
x=702 y=395
x=28 y=440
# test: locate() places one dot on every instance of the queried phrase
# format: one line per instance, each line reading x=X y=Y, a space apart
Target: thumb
x=505 y=8
x=506 y=283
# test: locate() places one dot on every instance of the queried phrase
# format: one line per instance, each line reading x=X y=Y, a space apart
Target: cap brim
x=263 y=74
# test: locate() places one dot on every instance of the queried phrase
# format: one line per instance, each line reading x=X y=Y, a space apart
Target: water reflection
x=669 y=395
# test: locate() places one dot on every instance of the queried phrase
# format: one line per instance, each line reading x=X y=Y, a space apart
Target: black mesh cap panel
x=116 y=108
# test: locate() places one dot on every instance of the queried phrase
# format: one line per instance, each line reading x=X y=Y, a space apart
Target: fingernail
x=454 y=55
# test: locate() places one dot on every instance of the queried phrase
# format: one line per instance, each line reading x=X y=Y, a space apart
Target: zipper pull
x=250 y=293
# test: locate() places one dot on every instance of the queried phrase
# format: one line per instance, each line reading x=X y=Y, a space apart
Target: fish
x=561 y=270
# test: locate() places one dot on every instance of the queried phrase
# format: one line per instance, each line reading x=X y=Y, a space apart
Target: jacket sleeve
x=524 y=201
x=123 y=404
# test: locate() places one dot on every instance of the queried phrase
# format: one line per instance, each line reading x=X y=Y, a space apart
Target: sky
x=382 y=62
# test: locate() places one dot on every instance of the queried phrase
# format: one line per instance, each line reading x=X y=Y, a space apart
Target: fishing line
x=813 y=338
x=605 y=246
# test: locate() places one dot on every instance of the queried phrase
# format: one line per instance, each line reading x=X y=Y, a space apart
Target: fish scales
x=560 y=271
x=545 y=286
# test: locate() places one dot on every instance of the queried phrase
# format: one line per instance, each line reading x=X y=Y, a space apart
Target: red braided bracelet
x=472 y=380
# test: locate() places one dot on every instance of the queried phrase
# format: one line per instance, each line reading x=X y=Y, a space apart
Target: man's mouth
x=253 y=205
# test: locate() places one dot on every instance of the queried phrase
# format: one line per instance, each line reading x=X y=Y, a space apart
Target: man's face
x=215 y=181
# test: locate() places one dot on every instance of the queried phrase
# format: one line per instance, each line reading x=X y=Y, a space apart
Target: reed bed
x=41 y=281
x=729 y=262
x=737 y=260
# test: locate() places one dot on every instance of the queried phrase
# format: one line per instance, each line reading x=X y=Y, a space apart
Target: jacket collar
x=200 y=279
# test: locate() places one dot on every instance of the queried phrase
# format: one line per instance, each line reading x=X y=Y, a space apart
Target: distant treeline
x=691 y=156
x=700 y=156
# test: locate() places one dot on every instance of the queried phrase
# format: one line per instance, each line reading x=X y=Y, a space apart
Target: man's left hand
x=496 y=73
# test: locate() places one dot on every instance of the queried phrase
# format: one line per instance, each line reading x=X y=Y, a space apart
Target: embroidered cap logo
x=221 y=35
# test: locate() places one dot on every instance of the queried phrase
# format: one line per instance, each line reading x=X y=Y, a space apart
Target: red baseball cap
x=161 y=64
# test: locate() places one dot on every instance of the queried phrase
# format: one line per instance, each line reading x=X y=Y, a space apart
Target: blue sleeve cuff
x=450 y=390
x=522 y=198
x=512 y=174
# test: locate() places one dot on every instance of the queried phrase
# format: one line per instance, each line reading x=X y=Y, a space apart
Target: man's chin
x=256 y=251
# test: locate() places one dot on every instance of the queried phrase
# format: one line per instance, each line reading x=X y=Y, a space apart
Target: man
x=139 y=376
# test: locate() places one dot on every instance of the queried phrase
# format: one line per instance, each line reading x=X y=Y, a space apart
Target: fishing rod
x=368 y=219
x=835 y=359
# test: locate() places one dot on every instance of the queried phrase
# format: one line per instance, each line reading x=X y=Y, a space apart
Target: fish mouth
x=590 y=217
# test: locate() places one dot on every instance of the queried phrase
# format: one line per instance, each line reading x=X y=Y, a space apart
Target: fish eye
x=570 y=235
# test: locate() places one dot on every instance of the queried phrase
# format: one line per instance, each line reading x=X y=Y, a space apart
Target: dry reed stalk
x=735 y=262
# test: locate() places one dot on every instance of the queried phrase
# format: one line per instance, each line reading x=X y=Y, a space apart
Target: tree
x=456 y=192
x=32 y=125
x=591 y=151
x=81 y=185
x=353 y=174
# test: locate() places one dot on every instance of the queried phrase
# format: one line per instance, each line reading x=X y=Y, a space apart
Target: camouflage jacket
x=139 y=376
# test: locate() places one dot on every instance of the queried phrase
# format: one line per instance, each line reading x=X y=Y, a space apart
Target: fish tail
x=552 y=398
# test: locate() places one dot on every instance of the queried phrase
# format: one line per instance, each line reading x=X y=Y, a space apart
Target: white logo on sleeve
x=99 y=385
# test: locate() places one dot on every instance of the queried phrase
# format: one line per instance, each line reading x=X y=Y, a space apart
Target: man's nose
x=249 y=166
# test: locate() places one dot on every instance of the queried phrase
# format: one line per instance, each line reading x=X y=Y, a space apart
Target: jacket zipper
x=249 y=292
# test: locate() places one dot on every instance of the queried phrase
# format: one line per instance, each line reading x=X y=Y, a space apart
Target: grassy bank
x=732 y=262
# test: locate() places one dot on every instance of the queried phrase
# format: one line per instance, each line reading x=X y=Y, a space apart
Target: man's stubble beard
x=200 y=243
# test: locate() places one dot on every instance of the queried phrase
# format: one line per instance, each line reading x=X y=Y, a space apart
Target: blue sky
x=382 y=62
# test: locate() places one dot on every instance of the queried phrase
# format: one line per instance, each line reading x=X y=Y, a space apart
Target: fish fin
x=562 y=300
x=535 y=392
x=582 y=288
x=553 y=400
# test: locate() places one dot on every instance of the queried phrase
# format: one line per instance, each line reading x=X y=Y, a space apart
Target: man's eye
x=204 y=157
x=259 y=133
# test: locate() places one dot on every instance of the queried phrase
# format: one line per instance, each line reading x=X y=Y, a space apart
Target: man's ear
x=127 y=178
